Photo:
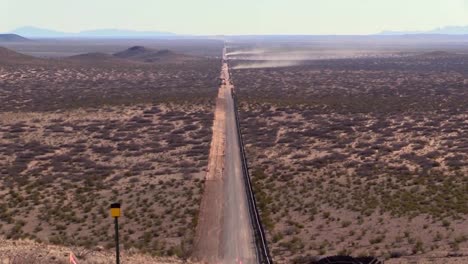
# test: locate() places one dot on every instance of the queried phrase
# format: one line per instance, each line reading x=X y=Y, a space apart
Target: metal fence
x=263 y=252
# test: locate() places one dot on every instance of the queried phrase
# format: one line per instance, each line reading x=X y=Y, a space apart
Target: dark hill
x=134 y=52
x=94 y=56
x=97 y=58
x=10 y=56
x=437 y=54
x=12 y=38
x=144 y=54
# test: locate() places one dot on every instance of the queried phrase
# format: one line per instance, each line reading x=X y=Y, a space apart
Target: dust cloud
x=264 y=58
x=246 y=52
x=266 y=64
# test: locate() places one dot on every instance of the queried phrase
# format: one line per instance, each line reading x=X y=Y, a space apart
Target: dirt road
x=224 y=232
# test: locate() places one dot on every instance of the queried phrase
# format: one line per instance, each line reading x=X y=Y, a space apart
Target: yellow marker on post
x=115 y=210
x=115 y=213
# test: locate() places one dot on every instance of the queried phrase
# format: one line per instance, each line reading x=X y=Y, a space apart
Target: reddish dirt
x=211 y=209
x=224 y=233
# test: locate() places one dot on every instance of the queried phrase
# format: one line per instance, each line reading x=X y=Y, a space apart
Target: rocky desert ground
x=356 y=156
x=365 y=156
x=77 y=134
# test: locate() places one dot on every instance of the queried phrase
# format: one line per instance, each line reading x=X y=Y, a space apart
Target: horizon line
x=170 y=33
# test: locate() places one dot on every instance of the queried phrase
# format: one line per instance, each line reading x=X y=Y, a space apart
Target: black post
x=117 y=251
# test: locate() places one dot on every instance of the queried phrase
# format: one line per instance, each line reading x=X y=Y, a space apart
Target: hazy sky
x=235 y=16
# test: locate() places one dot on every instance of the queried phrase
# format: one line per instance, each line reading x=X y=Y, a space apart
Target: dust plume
x=265 y=58
x=246 y=52
x=266 y=64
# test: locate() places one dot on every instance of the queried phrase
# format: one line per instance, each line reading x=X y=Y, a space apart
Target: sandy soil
x=211 y=208
x=224 y=232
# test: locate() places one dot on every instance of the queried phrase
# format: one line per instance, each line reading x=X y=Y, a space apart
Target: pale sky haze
x=208 y=17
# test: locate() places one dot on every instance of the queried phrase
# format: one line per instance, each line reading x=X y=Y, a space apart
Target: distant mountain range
x=35 y=32
x=448 y=30
x=12 y=38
